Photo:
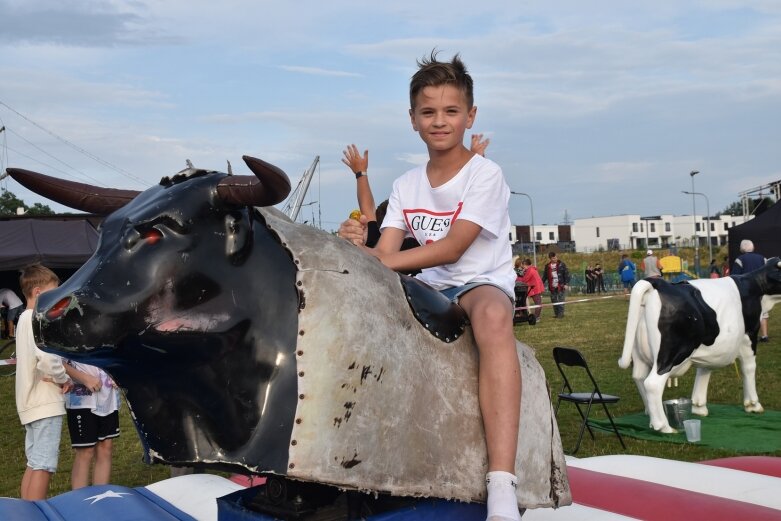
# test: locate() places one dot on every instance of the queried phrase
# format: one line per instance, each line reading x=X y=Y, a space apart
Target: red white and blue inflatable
x=604 y=488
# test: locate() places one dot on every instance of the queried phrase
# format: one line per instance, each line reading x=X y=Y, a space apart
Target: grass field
x=595 y=327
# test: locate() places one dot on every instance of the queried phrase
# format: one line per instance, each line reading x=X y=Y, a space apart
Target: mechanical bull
x=242 y=339
x=705 y=323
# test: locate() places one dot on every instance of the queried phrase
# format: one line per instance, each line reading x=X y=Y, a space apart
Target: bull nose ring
x=58 y=309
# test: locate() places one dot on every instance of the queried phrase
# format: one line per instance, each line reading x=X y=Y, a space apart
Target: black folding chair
x=568 y=357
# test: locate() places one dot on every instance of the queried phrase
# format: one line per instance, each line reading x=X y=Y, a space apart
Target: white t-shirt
x=478 y=193
x=101 y=403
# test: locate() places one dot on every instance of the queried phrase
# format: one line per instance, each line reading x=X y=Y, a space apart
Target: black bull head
x=177 y=304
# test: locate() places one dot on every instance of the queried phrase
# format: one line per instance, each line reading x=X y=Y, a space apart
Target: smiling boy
x=456 y=207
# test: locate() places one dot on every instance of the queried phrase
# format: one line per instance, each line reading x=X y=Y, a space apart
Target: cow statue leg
x=748 y=368
x=700 y=391
x=654 y=389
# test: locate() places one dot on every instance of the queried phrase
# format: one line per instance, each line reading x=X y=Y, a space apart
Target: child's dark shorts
x=87 y=428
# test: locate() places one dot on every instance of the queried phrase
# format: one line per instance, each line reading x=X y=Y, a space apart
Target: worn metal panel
x=385 y=406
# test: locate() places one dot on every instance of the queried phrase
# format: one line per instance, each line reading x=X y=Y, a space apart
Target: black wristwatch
x=359 y=174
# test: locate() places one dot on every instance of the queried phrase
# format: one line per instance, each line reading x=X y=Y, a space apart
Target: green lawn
x=596 y=328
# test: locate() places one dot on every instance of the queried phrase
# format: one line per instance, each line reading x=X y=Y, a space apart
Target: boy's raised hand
x=353 y=159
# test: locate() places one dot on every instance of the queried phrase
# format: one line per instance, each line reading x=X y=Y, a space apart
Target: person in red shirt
x=531 y=277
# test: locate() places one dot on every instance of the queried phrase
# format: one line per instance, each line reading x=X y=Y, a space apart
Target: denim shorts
x=42 y=443
x=455 y=292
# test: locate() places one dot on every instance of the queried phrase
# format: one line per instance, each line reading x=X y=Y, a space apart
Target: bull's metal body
x=245 y=340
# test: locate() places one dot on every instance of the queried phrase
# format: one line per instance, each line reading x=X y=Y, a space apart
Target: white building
x=625 y=232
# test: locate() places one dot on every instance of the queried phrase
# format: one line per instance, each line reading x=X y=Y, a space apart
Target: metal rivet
x=297 y=261
x=300 y=396
x=301 y=373
x=300 y=353
x=301 y=333
x=294 y=442
x=299 y=283
x=291 y=466
x=298 y=421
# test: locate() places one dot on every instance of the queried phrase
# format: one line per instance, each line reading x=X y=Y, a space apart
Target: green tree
x=9 y=203
x=755 y=206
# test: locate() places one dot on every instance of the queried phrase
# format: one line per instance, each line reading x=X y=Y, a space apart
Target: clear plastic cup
x=692 y=428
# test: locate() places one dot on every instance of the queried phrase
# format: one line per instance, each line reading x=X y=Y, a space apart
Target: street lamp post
x=694 y=222
x=534 y=237
x=707 y=223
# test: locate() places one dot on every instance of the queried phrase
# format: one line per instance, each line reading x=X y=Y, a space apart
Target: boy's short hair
x=433 y=73
x=36 y=276
x=551 y=254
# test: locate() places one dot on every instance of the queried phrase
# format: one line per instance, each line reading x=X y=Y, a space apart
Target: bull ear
x=269 y=186
x=84 y=197
x=237 y=238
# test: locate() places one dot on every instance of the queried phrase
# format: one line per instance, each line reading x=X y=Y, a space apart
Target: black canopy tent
x=763 y=230
x=62 y=243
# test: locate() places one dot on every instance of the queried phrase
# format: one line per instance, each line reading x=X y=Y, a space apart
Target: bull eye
x=152 y=235
x=58 y=309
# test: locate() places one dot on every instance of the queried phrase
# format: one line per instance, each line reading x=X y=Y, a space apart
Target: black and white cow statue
x=705 y=323
x=244 y=340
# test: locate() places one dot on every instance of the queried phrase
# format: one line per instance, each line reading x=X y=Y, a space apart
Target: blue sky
x=593 y=108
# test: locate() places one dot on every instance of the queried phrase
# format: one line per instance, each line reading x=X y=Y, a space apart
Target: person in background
x=41 y=381
x=92 y=407
x=725 y=267
x=600 y=273
x=590 y=279
x=13 y=303
x=626 y=270
x=531 y=277
x=747 y=262
x=651 y=265
x=556 y=275
x=713 y=270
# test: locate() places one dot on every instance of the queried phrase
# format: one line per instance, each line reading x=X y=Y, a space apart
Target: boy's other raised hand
x=353 y=159
x=479 y=144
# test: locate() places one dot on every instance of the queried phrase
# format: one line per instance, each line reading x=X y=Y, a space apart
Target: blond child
x=41 y=382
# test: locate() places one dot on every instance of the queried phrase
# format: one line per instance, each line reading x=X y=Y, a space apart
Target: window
x=712 y=227
x=642 y=229
x=726 y=225
x=652 y=227
x=634 y=227
x=551 y=236
x=511 y=237
x=539 y=236
x=698 y=227
x=597 y=231
x=667 y=227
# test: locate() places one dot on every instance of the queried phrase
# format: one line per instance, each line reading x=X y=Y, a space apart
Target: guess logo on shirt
x=427 y=226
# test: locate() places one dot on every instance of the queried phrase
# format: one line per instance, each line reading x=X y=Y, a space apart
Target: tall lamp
x=534 y=237
x=707 y=223
x=694 y=222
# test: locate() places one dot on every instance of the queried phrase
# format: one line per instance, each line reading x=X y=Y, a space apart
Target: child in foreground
x=41 y=382
x=456 y=207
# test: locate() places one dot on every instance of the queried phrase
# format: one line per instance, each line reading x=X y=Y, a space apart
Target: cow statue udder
x=242 y=339
x=705 y=323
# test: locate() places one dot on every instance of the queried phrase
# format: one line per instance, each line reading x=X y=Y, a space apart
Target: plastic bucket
x=677 y=411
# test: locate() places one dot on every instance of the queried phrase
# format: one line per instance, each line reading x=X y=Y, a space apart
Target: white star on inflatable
x=105 y=495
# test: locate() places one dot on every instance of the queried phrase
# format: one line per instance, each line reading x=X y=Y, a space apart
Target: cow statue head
x=177 y=304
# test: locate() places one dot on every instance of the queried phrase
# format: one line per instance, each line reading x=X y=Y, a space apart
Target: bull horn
x=80 y=196
x=269 y=186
